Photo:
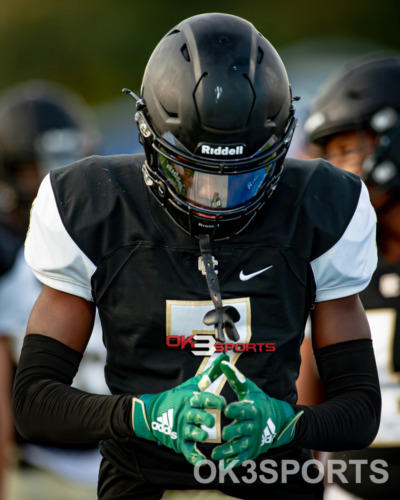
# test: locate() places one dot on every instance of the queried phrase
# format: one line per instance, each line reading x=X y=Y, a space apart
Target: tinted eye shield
x=214 y=191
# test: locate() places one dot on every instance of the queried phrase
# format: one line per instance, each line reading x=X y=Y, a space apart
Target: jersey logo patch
x=202 y=268
x=245 y=277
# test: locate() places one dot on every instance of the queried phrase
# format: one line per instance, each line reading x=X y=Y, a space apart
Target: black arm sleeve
x=47 y=409
x=349 y=419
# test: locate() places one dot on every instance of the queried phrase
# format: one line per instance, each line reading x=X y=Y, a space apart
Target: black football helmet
x=216 y=119
x=364 y=94
x=45 y=123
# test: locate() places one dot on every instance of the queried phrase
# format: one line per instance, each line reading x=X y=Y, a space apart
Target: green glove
x=260 y=422
x=174 y=418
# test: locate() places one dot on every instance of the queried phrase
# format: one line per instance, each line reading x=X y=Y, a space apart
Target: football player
x=43 y=125
x=355 y=123
x=210 y=232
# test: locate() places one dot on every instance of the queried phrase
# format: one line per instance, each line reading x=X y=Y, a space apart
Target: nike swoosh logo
x=245 y=277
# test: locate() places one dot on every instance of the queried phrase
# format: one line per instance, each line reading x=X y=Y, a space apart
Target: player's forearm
x=350 y=417
x=47 y=409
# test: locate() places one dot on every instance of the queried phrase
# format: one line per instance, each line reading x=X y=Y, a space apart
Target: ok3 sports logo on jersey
x=185 y=329
x=205 y=345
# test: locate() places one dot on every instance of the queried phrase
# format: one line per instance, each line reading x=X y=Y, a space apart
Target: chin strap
x=222 y=317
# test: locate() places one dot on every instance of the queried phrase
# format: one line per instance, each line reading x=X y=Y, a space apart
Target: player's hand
x=260 y=422
x=174 y=418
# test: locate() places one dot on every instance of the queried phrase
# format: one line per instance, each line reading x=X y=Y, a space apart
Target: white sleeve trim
x=347 y=267
x=52 y=254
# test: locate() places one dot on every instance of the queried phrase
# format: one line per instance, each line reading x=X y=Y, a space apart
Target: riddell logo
x=232 y=150
x=164 y=424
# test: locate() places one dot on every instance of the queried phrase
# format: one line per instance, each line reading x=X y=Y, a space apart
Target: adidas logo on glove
x=164 y=424
x=269 y=433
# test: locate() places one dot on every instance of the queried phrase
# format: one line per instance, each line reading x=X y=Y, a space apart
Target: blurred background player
x=9 y=245
x=43 y=125
x=355 y=124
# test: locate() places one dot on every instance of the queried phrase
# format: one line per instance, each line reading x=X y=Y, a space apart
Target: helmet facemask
x=382 y=169
x=207 y=196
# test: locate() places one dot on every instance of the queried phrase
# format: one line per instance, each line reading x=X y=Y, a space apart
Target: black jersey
x=381 y=300
x=108 y=240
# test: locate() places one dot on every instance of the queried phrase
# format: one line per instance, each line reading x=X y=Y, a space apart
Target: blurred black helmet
x=45 y=123
x=365 y=94
x=216 y=120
